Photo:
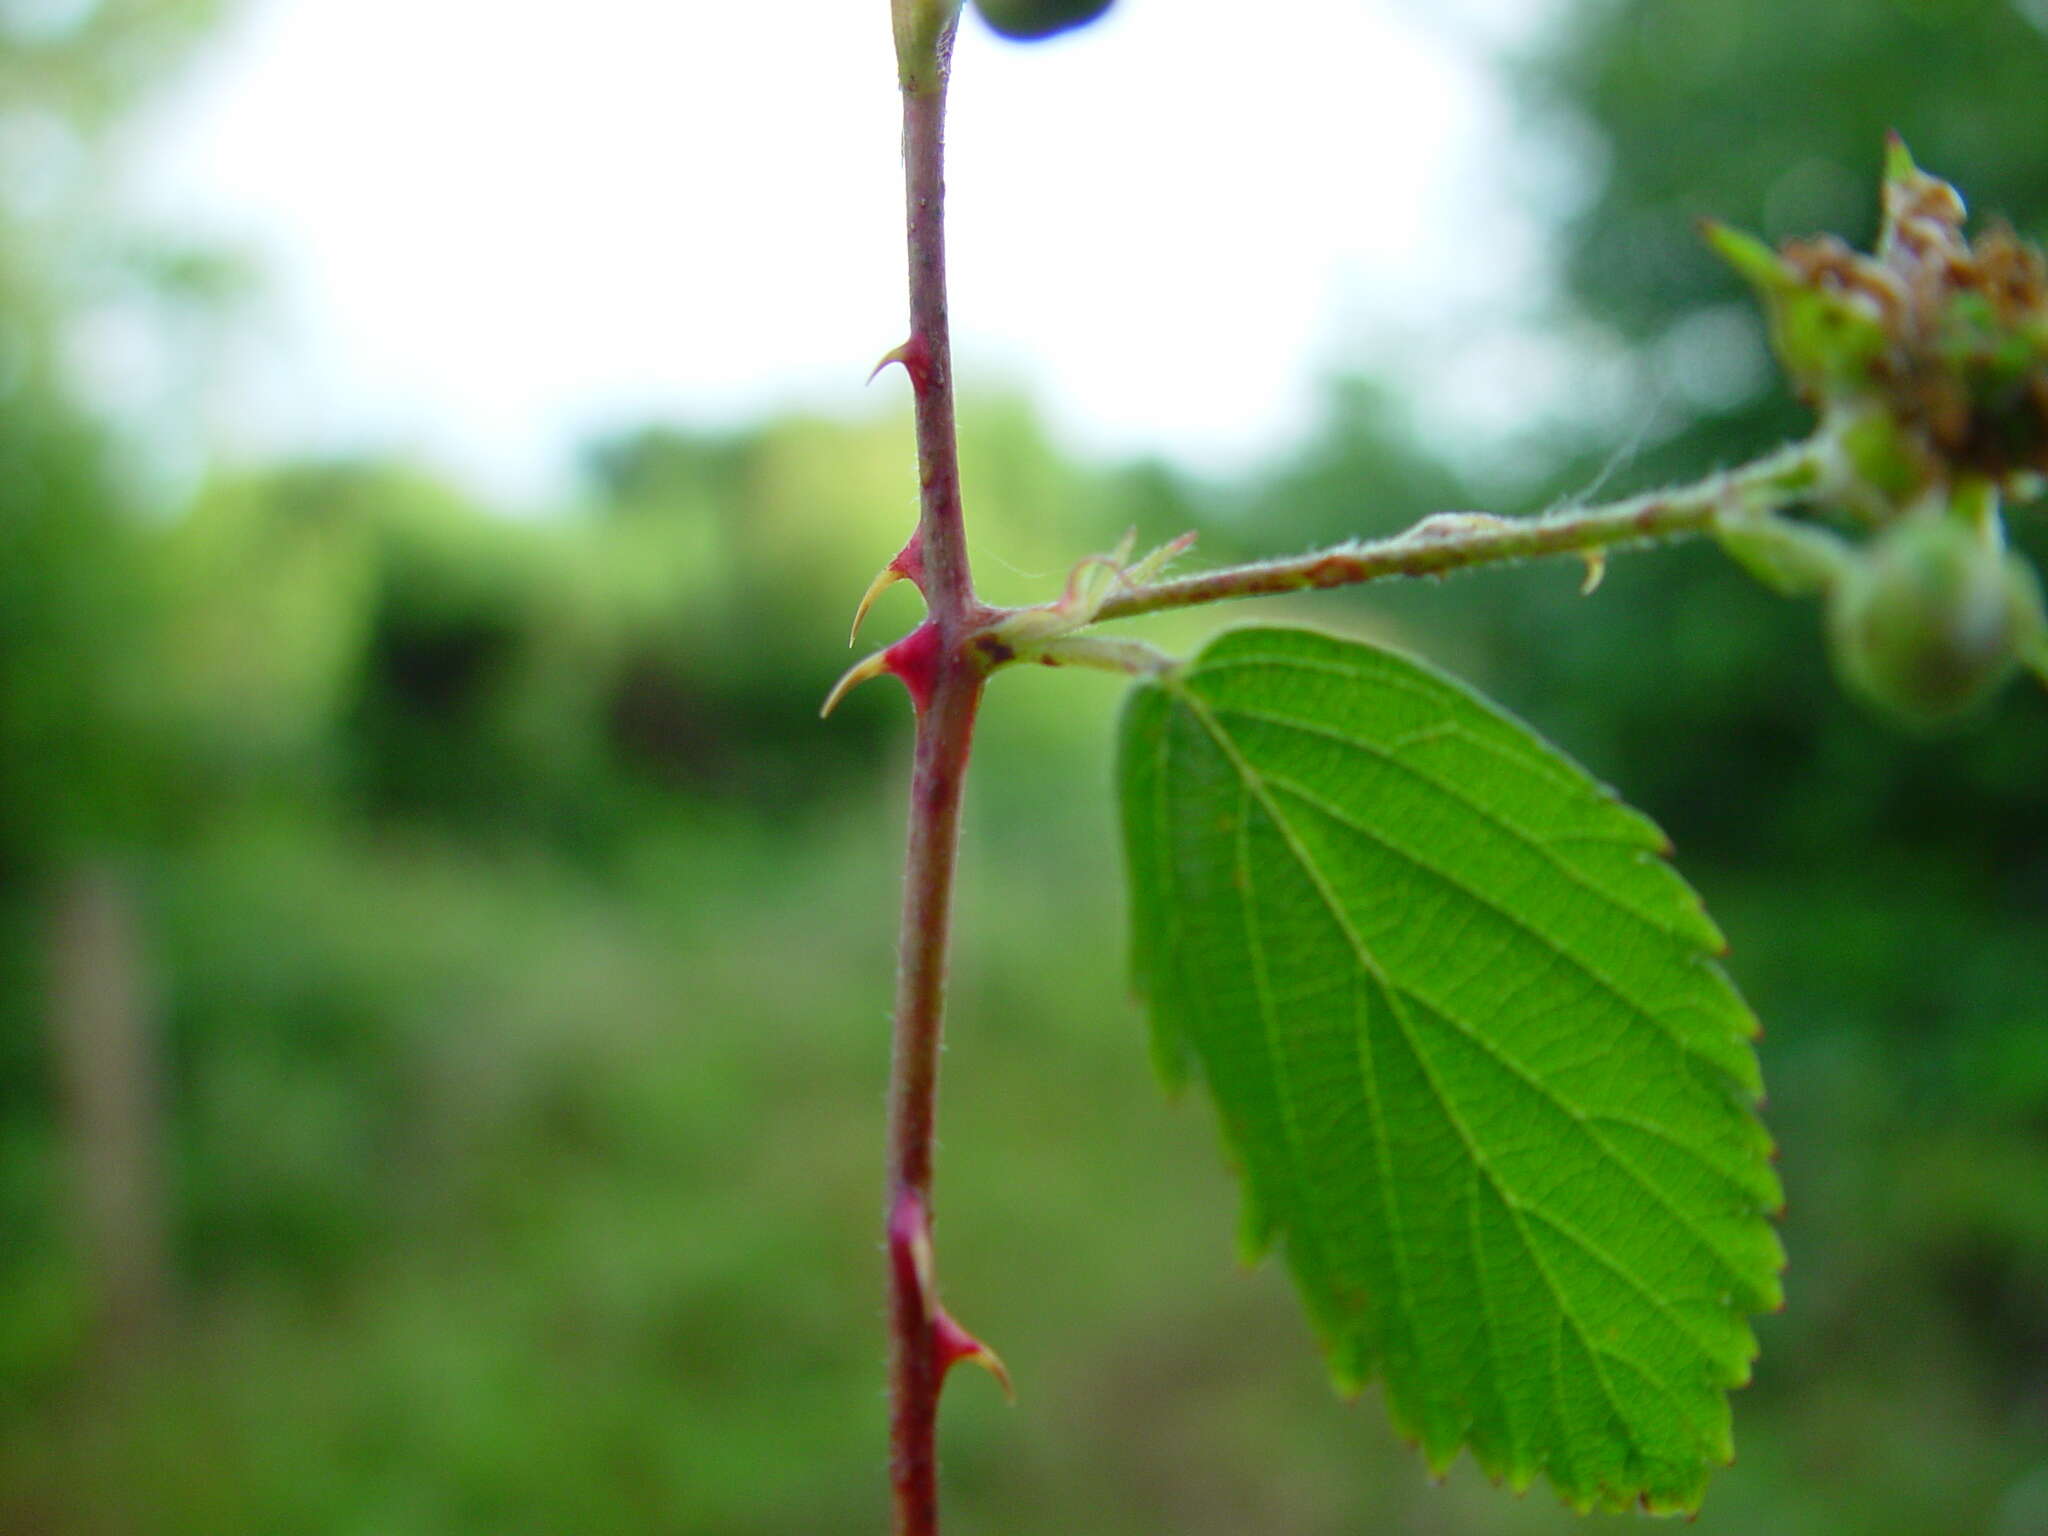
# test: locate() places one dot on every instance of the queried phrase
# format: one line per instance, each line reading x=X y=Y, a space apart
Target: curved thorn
x=956 y=1345
x=885 y=578
x=1596 y=570
x=896 y=354
x=860 y=672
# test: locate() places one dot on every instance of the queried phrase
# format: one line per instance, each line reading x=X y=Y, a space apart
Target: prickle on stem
x=910 y=1251
x=862 y=671
x=916 y=359
x=914 y=659
x=908 y=565
x=957 y=1345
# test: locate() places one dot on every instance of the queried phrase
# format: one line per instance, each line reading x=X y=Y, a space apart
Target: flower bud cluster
x=1928 y=364
x=1929 y=358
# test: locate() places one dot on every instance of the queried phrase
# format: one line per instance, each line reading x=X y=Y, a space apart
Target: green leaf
x=1470 y=1051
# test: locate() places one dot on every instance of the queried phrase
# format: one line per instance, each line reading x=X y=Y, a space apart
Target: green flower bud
x=1930 y=619
x=1942 y=340
x=1826 y=307
x=1039 y=18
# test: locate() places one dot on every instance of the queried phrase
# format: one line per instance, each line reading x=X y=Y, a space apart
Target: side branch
x=1456 y=541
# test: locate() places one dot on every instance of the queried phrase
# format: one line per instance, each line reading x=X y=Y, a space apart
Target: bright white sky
x=490 y=228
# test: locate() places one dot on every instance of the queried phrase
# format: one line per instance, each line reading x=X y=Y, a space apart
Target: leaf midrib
x=1541 y=844
x=1510 y=1064
x=1492 y=1048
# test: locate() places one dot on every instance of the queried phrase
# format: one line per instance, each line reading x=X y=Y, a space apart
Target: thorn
x=908 y=565
x=885 y=578
x=916 y=359
x=1596 y=570
x=860 y=672
x=910 y=1250
x=900 y=354
x=956 y=1344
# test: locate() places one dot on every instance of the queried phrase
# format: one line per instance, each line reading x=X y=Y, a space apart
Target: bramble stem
x=917 y=1369
x=942 y=539
x=1455 y=541
x=946 y=688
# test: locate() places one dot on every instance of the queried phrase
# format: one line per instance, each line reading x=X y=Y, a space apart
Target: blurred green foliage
x=521 y=943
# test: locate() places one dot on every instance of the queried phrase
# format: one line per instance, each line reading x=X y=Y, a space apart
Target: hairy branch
x=1456 y=541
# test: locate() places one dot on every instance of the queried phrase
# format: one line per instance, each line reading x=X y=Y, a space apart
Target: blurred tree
x=81 y=757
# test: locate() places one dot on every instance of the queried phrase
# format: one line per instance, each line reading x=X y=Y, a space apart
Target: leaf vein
x=1570 y=957
x=1541 y=843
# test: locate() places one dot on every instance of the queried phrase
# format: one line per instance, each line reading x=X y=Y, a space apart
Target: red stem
x=945 y=728
x=942 y=539
x=917 y=1367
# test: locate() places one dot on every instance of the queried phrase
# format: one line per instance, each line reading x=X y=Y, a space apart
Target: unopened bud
x=1934 y=349
x=1931 y=619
